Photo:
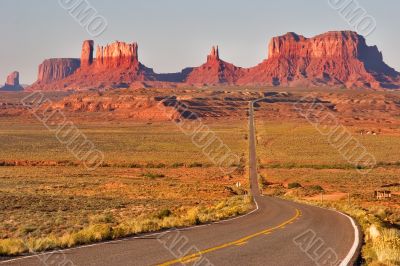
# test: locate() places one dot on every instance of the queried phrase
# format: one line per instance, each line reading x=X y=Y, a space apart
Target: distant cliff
x=335 y=59
x=56 y=69
x=12 y=82
x=338 y=58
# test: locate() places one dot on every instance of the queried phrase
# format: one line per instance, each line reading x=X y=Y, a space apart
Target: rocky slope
x=214 y=71
x=339 y=58
x=112 y=106
x=12 y=82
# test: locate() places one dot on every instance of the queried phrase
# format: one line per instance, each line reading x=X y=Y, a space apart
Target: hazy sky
x=173 y=34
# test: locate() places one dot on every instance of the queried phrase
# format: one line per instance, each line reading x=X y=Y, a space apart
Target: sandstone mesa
x=337 y=58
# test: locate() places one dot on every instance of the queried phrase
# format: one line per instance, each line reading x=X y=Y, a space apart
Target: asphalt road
x=276 y=232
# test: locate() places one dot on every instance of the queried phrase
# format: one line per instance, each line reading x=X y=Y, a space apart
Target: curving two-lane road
x=277 y=232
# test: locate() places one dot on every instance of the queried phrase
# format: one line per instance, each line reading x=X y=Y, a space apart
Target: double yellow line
x=240 y=241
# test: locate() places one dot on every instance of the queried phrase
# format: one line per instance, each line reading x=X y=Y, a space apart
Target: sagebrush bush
x=93 y=233
x=177 y=165
x=387 y=246
x=193 y=165
x=294 y=185
x=153 y=176
x=316 y=188
x=164 y=213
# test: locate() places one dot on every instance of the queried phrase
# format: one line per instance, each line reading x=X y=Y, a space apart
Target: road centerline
x=256 y=193
x=232 y=243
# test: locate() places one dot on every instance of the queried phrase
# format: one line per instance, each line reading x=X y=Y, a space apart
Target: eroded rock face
x=115 y=65
x=340 y=58
x=214 y=71
x=12 y=82
x=87 y=53
x=57 y=69
x=116 y=55
x=331 y=44
x=112 y=106
x=13 y=79
x=214 y=54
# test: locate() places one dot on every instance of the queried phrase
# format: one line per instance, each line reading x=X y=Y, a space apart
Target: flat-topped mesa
x=333 y=44
x=214 y=54
x=347 y=49
x=336 y=58
x=87 y=53
x=286 y=45
x=117 y=54
x=57 y=69
x=342 y=44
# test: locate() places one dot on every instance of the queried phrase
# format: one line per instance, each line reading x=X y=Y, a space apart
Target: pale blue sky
x=173 y=34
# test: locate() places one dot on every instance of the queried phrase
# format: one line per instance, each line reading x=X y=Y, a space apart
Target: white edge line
x=353 y=250
x=131 y=238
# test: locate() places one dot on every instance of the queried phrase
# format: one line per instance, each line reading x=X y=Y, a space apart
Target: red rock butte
x=214 y=71
x=12 y=82
x=338 y=59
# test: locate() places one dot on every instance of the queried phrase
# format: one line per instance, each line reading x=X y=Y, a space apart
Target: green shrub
x=152 y=165
x=28 y=229
x=263 y=183
x=177 y=165
x=164 y=213
x=316 y=188
x=153 y=176
x=294 y=185
x=134 y=165
x=103 y=218
x=4 y=163
x=381 y=213
x=194 y=165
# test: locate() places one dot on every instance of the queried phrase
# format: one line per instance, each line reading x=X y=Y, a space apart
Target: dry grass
x=125 y=143
x=153 y=178
x=106 y=229
x=39 y=201
x=387 y=246
x=300 y=145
